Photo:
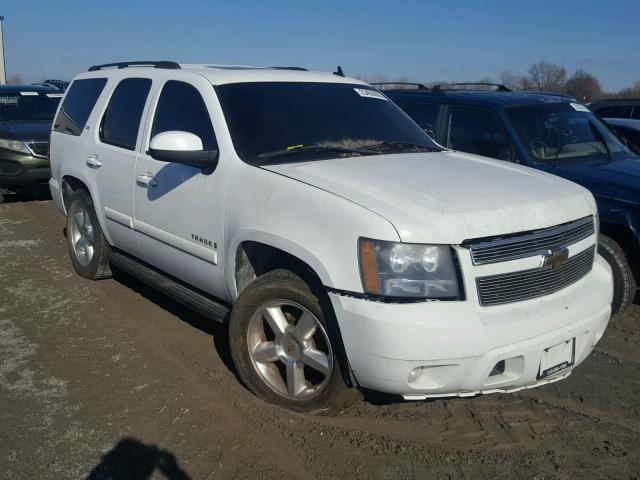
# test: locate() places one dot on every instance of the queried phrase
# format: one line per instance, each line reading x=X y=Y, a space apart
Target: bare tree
x=14 y=78
x=583 y=86
x=511 y=80
x=631 y=92
x=547 y=77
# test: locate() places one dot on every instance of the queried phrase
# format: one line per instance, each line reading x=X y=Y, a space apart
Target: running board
x=199 y=302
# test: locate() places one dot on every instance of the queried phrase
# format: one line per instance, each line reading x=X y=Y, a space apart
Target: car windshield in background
x=563 y=131
x=28 y=106
x=299 y=121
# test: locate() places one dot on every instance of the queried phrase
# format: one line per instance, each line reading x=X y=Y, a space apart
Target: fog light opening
x=415 y=374
x=498 y=369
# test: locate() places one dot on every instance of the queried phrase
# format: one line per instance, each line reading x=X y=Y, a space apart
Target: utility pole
x=3 y=73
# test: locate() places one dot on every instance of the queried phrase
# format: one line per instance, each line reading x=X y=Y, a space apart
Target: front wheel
x=284 y=349
x=624 y=284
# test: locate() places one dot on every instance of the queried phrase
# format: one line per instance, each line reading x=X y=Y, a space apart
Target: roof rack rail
x=452 y=86
x=419 y=86
x=155 y=64
x=299 y=69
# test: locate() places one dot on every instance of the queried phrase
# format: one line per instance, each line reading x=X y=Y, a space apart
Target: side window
x=478 y=131
x=615 y=111
x=424 y=114
x=636 y=112
x=121 y=120
x=182 y=108
x=631 y=136
x=78 y=104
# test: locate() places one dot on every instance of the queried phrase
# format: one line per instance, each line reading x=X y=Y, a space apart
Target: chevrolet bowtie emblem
x=555 y=258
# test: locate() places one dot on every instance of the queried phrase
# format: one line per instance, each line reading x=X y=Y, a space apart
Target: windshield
x=28 y=106
x=563 y=131
x=287 y=121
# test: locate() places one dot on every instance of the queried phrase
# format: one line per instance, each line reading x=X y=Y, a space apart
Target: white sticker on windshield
x=27 y=94
x=579 y=107
x=365 y=92
x=54 y=95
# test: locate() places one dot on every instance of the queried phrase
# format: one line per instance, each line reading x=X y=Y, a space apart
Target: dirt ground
x=110 y=380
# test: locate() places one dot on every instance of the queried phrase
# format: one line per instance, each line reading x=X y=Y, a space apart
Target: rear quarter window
x=78 y=104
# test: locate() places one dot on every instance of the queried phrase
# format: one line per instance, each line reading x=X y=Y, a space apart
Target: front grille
x=39 y=149
x=528 y=284
x=496 y=250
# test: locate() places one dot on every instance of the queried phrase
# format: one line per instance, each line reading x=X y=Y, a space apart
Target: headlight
x=15 y=145
x=408 y=270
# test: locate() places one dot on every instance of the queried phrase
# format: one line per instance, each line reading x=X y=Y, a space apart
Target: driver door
x=179 y=210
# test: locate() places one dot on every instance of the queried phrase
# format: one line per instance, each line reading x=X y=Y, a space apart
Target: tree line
x=546 y=77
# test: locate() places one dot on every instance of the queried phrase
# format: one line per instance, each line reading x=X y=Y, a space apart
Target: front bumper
x=20 y=170
x=455 y=345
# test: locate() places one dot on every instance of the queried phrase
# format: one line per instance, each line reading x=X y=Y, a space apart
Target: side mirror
x=183 y=147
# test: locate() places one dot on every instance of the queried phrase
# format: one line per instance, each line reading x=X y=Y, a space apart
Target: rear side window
x=78 y=104
x=631 y=136
x=614 y=111
x=424 y=114
x=636 y=112
x=182 y=108
x=478 y=131
x=121 y=121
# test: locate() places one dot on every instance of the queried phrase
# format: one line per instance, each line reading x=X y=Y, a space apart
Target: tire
x=266 y=371
x=624 y=284
x=88 y=248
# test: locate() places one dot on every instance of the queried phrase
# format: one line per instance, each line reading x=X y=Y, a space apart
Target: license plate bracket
x=557 y=358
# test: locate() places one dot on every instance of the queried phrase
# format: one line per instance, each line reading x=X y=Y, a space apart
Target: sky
x=429 y=40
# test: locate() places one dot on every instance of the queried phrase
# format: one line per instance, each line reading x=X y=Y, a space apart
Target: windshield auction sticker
x=365 y=92
x=580 y=108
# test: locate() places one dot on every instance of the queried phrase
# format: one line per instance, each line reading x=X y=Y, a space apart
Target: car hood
x=618 y=179
x=447 y=197
x=25 y=130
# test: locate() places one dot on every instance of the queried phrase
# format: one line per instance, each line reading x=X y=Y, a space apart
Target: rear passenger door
x=112 y=156
x=179 y=209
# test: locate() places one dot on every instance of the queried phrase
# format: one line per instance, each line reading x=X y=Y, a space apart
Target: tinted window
x=636 y=112
x=121 y=121
x=477 y=131
x=78 y=104
x=557 y=132
x=26 y=105
x=424 y=114
x=614 y=111
x=630 y=135
x=265 y=118
x=181 y=107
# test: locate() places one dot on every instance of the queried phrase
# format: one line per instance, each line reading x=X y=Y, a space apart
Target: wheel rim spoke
x=317 y=360
x=305 y=328
x=276 y=319
x=296 y=383
x=79 y=219
x=265 y=352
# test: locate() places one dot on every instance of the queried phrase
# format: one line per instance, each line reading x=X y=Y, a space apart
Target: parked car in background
x=342 y=245
x=548 y=132
x=628 y=130
x=617 y=108
x=26 y=114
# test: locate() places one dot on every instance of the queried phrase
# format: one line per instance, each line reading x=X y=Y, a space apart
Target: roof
x=223 y=74
x=14 y=87
x=481 y=97
x=616 y=101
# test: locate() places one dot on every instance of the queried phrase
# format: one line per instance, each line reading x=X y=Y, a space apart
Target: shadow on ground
x=131 y=459
x=30 y=194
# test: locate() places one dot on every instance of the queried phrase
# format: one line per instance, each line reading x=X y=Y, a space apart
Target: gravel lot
x=110 y=380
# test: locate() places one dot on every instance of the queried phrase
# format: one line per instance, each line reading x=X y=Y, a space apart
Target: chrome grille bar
x=484 y=251
x=528 y=284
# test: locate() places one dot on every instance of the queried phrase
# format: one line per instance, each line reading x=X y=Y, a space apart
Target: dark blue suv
x=545 y=131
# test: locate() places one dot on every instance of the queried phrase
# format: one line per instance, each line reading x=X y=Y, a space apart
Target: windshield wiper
x=314 y=148
x=401 y=146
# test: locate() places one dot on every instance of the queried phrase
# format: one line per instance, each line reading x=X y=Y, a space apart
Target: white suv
x=343 y=247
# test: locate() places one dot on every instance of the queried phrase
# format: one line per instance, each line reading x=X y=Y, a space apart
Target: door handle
x=94 y=161
x=146 y=180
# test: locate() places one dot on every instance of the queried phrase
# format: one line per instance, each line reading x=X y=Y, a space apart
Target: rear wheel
x=88 y=247
x=284 y=348
x=624 y=284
